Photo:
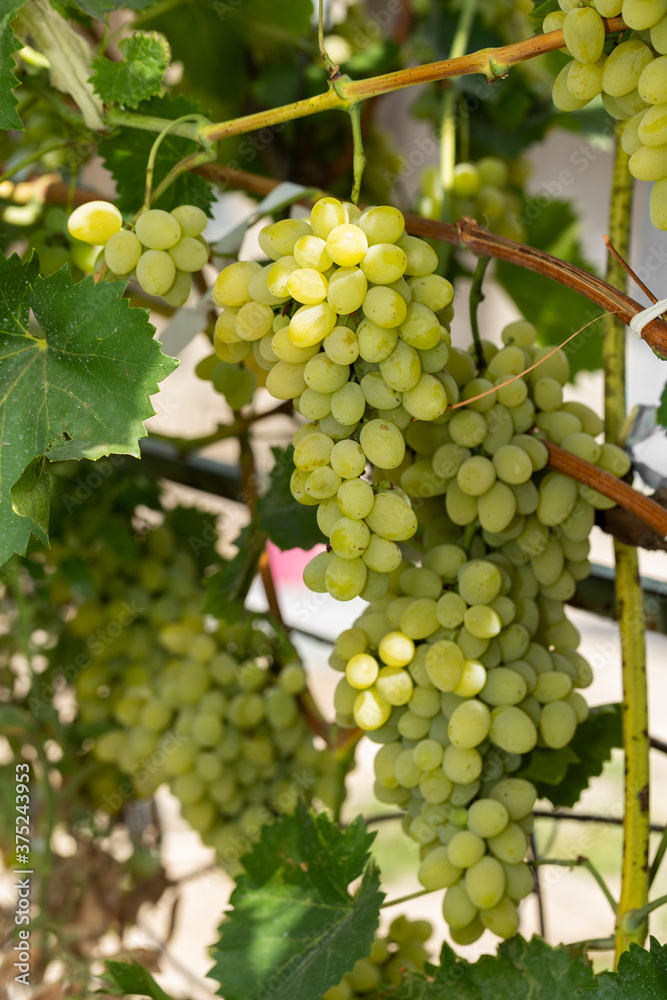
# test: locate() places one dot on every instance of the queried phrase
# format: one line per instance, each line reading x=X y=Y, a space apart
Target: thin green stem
x=580 y=862
x=358 y=156
x=405 y=899
x=593 y=944
x=475 y=299
x=637 y=918
x=188 y=163
x=659 y=855
x=150 y=166
x=32 y=157
x=629 y=601
x=151 y=123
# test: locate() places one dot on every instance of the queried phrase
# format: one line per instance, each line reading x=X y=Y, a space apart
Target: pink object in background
x=287 y=567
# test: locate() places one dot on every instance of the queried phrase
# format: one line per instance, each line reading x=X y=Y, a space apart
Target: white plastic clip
x=638 y=322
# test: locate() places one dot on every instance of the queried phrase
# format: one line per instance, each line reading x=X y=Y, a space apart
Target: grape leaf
x=541 y=10
x=30 y=496
x=100 y=8
x=9 y=44
x=138 y=75
x=661 y=415
x=294 y=928
x=289 y=524
x=73 y=388
x=125 y=155
x=522 y=970
x=562 y=775
x=641 y=975
x=226 y=590
x=555 y=310
x=123 y=979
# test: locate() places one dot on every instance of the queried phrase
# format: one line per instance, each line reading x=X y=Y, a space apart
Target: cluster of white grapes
x=347 y=323
x=460 y=669
x=488 y=189
x=162 y=251
x=631 y=79
x=218 y=718
x=402 y=948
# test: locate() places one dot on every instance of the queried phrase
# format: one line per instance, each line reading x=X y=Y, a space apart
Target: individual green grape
x=189 y=254
x=383 y=263
x=392 y=518
x=156 y=271
x=158 y=230
x=465 y=849
x=179 y=293
x=122 y=252
x=476 y=475
x=324 y=375
x=558 y=723
x=469 y=724
x=558 y=496
x=396 y=649
x=346 y=244
x=382 y=555
x=502 y=919
x=356 y=499
x=345 y=578
x=341 y=345
x=370 y=710
x=643 y=14
x=362 y=671
x=191 y=219
x=382 y=225
x=512 y=730
x=457 y=907
x=649 y=163
x=485 y=883
x=375 y=342
x=479 y=582
x=349 y=538
x=347 y=290
x=584 y=34
x=624 y=67
x=427 y=400
x=487 y=818
x=95 y=222
x=383 y=444
x=436 y=870
x=584 y=80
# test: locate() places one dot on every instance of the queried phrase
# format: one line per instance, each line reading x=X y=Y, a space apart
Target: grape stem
x=628 y=270
x=610 y=486
x=150 y=166
x=469 y=235
x=406 y=899
x=636 y=919
x=659 y=855
x=580 y=862
x=358 y=155
x=475 y=300
x=332 y=69
x=223 y=431
x=629 y=603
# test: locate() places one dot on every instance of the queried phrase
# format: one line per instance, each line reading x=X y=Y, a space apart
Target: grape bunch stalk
x=630 y=76
x=163 y=250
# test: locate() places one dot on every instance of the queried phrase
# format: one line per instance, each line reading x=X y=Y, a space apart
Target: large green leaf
x=137 y=76
x=641 y=975
x=9 y=44
x=289 y=525
x=77 y=385
x=521 y=970
x=125 y=155
x=562 y=775
x=294 y=929
x=555 y=310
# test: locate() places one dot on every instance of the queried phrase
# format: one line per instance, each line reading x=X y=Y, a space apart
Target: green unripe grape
x=502 y=919
x=382 y=224
x=462 y=765
x=370 y=710
x=485 y=883
x=469 y=724
x=558 y=723
x=584 y=34
x=465 y=849
x=512 y=730
x=624 y=66
x=457 y=907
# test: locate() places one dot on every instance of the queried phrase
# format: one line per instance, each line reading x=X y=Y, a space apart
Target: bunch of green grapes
x=468 y=661
x=402 y=948
x=631 y=79
x=347 y=322
x=461 y=668
x=215 y=713
x=488 y=189
x=162 y=251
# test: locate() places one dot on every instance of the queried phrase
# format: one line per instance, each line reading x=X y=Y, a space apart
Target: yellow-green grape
x=231 y=286
x=650 y=126
x=584 y=80
x=122 y=252
x=325 y=215
x=189 y=254
x=95 y=222
x=191 y=219
x=346 y=244
x=382 y=225
x=584 y=34
x=345 y=578
x=561 y=95
x=652 y=86
x=311 y=324
x=370 y=710
x=179 y=293
x=158 y=230
x=659 y=36
x=156 y=272
x=643 y=14
x=311 y=251
x=624 y=67
x=392 y=518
